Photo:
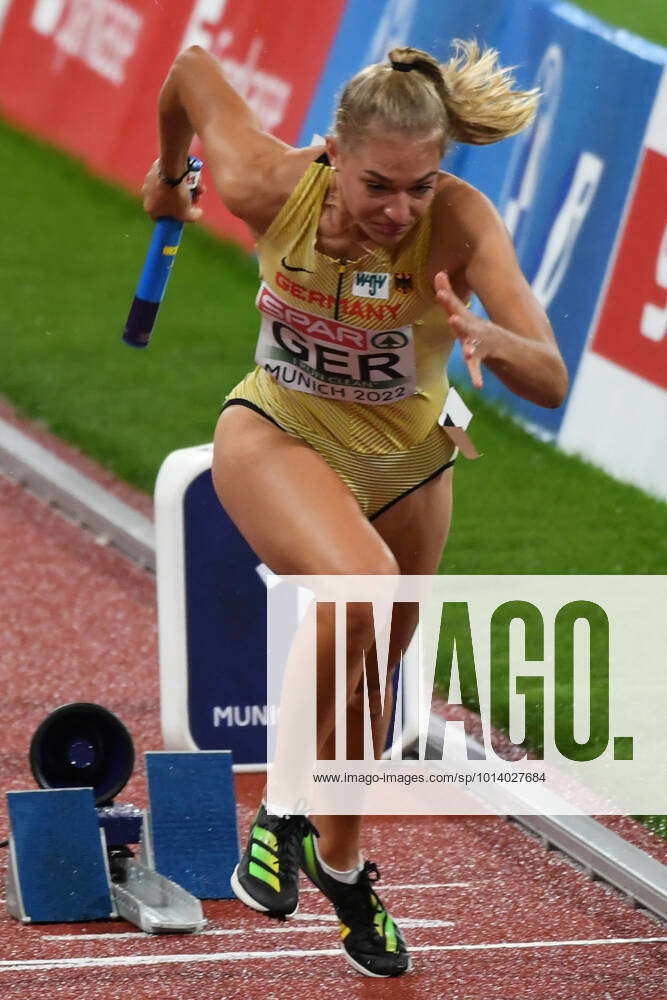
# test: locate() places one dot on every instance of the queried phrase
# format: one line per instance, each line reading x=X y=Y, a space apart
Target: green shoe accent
x=264 y=876
x=309 y=857
x=267 y=875
x=372 y=941
x=269 y=859
x=390 y=934
x=266 y=837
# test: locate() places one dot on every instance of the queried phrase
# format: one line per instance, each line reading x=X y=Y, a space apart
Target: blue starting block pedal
x=58 y=870
x=190 y=833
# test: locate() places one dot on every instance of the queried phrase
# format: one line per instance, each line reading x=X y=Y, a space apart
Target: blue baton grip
x=155 y=273
x=153 y=281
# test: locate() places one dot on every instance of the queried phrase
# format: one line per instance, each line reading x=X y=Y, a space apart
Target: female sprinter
x=329 y=456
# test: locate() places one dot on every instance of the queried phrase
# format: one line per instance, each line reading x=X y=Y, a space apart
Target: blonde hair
x=469 y=99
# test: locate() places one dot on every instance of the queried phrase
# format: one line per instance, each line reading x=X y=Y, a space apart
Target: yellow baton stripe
x=169 y=251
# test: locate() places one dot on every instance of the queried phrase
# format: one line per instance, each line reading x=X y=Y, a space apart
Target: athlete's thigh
x=291 y=507
x=416 y=528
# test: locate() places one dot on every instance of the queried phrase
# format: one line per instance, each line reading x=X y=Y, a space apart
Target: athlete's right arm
x=253 y=171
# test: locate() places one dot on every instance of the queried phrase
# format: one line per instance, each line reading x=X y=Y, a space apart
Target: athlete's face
x=388 y=182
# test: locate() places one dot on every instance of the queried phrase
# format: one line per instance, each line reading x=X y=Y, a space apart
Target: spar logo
x=102 y=34
x=316 y=327
x=632 y=328
x=389 y=339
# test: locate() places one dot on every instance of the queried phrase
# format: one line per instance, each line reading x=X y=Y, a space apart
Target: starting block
x=64 y=866
x=152 y=902
x=190 y=832
x=58 y=870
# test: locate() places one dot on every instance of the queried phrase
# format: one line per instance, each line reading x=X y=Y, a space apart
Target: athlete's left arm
x=517 y=342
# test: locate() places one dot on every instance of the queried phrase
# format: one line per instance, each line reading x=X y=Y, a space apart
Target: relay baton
x=157 y=268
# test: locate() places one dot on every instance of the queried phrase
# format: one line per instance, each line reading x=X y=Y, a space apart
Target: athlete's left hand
x=477 y=335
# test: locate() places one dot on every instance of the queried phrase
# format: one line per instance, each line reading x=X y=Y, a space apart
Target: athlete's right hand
x=160 y=199
x=478 y=336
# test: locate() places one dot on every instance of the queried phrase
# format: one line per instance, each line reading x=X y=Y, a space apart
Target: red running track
x=489 y=914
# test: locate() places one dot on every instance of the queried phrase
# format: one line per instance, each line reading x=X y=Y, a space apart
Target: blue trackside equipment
x=61 y=869
x=156 y=270
x=58 y=865
x=190 y=833
x=70 y=861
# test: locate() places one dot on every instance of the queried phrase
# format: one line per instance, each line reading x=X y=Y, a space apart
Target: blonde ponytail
x=481 y=104
x=468 y=99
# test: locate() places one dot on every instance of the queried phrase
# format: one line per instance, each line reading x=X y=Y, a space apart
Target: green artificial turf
x=643 y=17
x=72 y=249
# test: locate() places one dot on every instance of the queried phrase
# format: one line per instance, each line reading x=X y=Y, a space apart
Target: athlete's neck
x=338 y=235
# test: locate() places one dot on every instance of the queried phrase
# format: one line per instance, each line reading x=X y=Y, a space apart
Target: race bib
x=327 y=358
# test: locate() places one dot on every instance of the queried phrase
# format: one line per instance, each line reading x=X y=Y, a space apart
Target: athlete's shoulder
x=463 y=215
x=458 y=202
x=292 y=166
x=463 y=218
x=285 y=174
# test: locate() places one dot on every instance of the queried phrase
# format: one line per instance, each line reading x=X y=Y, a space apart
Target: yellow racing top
x=352 y=350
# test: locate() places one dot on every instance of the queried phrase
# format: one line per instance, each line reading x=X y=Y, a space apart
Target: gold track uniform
x=351 y=355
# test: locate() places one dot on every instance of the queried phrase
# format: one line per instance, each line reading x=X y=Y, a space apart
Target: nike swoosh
x=288 y=268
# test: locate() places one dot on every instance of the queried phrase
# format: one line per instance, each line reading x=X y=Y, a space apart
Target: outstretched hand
x=159 y=199
x=477 y=335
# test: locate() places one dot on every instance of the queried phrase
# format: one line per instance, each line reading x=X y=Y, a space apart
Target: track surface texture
x=488 y=912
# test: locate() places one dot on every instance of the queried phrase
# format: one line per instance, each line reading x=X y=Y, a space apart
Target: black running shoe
x=267 y=876
x=373 y=943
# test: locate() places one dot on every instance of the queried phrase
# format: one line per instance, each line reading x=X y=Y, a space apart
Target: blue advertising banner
x=370 y=28
x=561 y=186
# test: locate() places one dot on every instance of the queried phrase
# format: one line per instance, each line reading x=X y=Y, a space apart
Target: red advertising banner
x=632 y=329
x=69 y=69
x=85 y=74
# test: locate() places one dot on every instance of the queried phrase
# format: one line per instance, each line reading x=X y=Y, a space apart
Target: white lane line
x=410 y=885
x=130 y=936
x=416 y=922
x=237 y=956
x=593 y=943
x=405 y=923
x=321 y=922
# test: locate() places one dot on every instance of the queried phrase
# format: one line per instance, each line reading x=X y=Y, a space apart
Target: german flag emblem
x=403 y=282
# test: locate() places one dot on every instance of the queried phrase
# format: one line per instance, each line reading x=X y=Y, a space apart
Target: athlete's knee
x=366 y=605
x=381 y=563
x=371 y=689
